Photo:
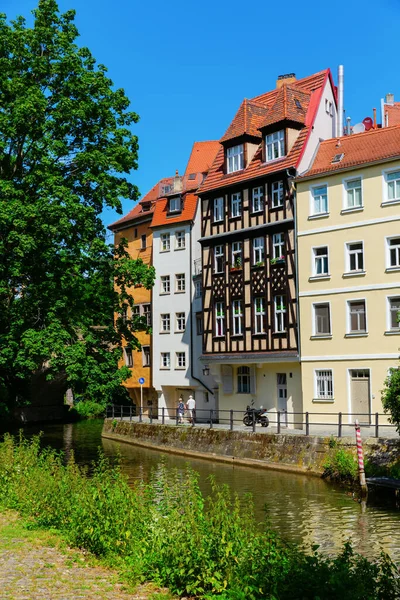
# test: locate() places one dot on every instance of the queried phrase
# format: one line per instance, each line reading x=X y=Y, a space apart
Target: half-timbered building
x=250 y=314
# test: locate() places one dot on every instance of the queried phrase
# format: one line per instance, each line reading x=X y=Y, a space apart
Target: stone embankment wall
x=288 y=452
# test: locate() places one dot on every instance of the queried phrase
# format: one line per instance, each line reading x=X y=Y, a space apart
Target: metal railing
x=301 y=422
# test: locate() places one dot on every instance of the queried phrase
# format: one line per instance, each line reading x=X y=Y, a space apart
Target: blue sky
x=187 y=66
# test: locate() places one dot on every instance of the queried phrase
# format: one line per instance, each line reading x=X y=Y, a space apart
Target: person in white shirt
x=191 y=407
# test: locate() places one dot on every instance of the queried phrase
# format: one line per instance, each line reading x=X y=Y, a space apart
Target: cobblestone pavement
x=30 y=569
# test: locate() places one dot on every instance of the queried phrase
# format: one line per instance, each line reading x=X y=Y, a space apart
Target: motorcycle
x=259 y=415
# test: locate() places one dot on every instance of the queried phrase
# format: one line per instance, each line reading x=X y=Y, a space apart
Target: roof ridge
x=356 y=135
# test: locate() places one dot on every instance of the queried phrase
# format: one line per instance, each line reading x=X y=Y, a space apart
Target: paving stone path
x=31 y=569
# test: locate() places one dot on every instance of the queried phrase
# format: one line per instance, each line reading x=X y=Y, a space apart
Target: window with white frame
x=218 y=209
x=165 y=360
x=236 y=204
x=324 y=384
x=279 y=314
x=259 y=315
x=394 y=313
x=235 y=158
x=278 y=245
x=165 y=284
x=180 y=283
x=236 y=255
x=243 y=380
x=393 y=186
x=180 y=360
x=357 y=316
x=393 y=252
x=128 y=356
x=319 y=200
x=237 y=317
x=219 y=319
x=180 y=321
x=355 y=257
x=175 y=204
x=321 y=262
x=179 y=240
x=165 y=323
x=353 y=193
x=275 y=145
x=257 y=199
x=322 y=321
x=219 y=259
x=258 y=251
x=147 y=313
x=197 y=289
x=165 y=242
x=146 y=356
x=277 y=194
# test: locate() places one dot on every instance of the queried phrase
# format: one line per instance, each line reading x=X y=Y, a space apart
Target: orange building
x=135 y=228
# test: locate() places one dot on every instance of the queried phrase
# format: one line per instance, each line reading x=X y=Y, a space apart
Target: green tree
x=65 y=147
x=391 y=397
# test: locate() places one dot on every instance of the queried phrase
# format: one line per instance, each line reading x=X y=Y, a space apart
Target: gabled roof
x=393 y=113
x=358 y=149
x=291 y=104
x=246 y=121
x=161 y=217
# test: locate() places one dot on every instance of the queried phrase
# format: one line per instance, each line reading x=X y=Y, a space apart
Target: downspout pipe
x=339 y=131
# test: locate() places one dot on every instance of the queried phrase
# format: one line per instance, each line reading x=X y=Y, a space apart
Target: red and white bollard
x=360 y=455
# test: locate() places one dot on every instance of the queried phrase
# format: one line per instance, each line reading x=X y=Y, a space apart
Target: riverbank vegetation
x=167 y=532
x=340 y=464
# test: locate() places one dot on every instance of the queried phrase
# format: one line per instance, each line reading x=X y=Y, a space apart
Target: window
x=180 y=321
x=236 y=255
x=394 y=313
x=277 y=194
x=235 y=158
x=353 y=193
x=165 y=323
x=165 y=360
x=146 y=356
x=322 y=321
x=199 y=324
x=165 y=284
x=180 y=283
x=275 y=145
x=143 y=241
x=147 y=313
x=319 y=200
x=278 y=246
x=124 y=313
x=279 y=314
x=393 y=186
x=357 y=317
x=258 y=251
x=180 y=360
x=257 y=199
x=243 y=374
x=218 y=209
x=136 y=311
x=218 y=259
x=237 y=317
x=174 y=204
x=321 y=264
x=259 y=315
x=236 y=204
x=197 y=289
x=324 y=385
x=165 y=242
x=394 y=252
x=355 y=257
x=135 y=233
x=128 y=356
x=179 y=239
x=219 y=319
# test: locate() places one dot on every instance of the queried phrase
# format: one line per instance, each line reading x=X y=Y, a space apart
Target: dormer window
x=146 y=206
x=274 y=145
x=235 y=158
x=175 y=205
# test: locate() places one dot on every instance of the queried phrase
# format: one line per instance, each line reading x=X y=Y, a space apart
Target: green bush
x=166 y=531
x=89 y=409
x=340 y=464
x=391 y=397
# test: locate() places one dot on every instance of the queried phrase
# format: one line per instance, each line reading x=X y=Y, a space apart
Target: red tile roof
x=161 y=218
x=291 y=104
x=246 y=121
x=393 y=113
x=358 y=149
x=202 y=157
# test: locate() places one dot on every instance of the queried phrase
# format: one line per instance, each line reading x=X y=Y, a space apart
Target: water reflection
x=305 y=510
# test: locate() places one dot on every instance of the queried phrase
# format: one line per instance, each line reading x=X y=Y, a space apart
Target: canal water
x=305 y=510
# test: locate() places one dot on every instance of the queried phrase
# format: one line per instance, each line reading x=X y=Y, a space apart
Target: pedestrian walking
x=181 y=409
x=191 y=407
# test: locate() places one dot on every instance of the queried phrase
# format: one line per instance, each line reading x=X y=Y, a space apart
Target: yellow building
x=135 y=228
x=348 y=232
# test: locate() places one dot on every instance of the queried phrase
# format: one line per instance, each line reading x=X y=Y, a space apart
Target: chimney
x=339 y=131
x=389 y=99
x=177 y=182
x=287 y=78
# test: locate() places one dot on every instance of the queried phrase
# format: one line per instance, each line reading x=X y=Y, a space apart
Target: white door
x=359 y=389
x=282 y=396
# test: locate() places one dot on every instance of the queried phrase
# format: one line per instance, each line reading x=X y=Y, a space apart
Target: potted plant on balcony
x=237 y=265
x=279 y=260
x=260 y=263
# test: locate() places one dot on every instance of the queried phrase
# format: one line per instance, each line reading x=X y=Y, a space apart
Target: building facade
x=349 y=266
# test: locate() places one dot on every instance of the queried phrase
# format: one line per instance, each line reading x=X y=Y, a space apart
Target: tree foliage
x=391 y=397
x=66 y=146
